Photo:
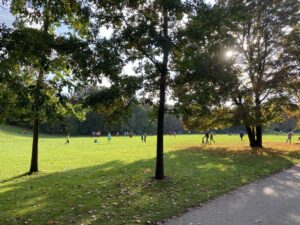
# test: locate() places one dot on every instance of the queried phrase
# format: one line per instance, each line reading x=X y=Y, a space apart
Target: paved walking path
x=272 y=201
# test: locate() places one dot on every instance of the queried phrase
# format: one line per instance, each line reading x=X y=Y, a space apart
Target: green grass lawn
x=110 y=183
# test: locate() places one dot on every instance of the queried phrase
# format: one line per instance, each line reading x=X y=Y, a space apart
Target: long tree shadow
x=120 y=193
x=14 y=178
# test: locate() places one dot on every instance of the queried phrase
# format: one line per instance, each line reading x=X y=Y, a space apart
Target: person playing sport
x=98 y=133
x=211 y=137
x=289 y=139
x=145 y=137
x=242 y=134
x=142 y=137
x=109 y=137
x=68 y=139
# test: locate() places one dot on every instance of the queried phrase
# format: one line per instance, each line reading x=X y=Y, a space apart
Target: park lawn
x=110 y=183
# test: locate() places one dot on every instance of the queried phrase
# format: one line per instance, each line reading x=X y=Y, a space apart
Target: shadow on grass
x=121 y=193
x=295 y=154
x=14 y=178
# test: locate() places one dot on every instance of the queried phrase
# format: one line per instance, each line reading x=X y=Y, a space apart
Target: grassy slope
x=103 y=183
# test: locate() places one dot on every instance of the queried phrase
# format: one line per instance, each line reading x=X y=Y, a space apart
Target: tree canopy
x=246 y=44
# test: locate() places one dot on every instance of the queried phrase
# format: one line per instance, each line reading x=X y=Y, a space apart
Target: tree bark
x=34 y=156
x=37 y=100
x=251 y=136
x=255 y=136
x=159 y=172
x=259 y=137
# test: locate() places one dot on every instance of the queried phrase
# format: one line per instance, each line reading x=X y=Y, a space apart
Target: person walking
x=68 y=140
x=109 y=137
x=242 y=134
x=290 y=135
x=206 y=137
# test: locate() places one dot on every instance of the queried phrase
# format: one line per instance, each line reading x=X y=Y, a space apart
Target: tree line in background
x=228 y=64
x=141 y=119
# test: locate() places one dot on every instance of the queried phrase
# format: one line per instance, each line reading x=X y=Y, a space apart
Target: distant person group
x=208 y=137
x=172 y=133
x=144 y=138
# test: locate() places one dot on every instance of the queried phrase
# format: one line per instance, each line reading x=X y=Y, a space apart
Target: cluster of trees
x=234 y=62
x=141 y=120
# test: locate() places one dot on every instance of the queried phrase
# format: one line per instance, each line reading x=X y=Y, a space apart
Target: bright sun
x=229 y=54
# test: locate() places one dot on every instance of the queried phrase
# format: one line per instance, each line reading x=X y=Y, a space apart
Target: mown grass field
x=110 y=183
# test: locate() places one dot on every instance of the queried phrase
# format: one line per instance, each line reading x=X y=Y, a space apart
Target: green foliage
x=24 y=67
x=204 y=79
x=260 y=94
x=114 y=102
x=137 y=119
x=34 y=61
x=251 y=87
x=139 y=34
x=52 y=13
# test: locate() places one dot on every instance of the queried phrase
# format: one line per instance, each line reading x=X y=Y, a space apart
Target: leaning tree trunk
x=35 y=142
x=159 y=172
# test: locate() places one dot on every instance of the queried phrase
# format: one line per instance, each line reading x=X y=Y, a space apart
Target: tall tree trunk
x=255 y=136
x=37 y=98
x=251 y=136
x=36 y=108
x=259 y=136
x=35 y=142
x=159 y=172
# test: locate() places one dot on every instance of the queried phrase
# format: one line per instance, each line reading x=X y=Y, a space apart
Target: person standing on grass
x=109 y=137
x=211 y=137
x=206 y=134
x=68 y=139
x=242 y=134
x=289 y=139
x=142 y=137
x=145 y=137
